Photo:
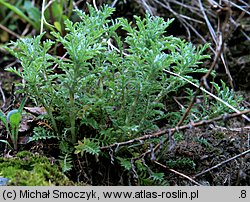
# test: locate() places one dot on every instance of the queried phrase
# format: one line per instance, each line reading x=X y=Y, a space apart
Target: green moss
x=27 y=169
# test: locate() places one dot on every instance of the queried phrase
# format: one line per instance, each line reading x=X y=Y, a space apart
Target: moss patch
x=27 y=169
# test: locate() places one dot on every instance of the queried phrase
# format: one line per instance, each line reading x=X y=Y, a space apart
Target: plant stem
x=15 y=138
x=72 y=118
x=48 y=109
x=133 y=106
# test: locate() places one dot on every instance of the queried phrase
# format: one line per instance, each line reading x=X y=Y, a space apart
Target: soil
x=220 y=144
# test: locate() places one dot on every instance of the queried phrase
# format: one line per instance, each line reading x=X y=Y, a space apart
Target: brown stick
x=221 y=163
x=9 y=31
x=178 y=173
x=172 y=130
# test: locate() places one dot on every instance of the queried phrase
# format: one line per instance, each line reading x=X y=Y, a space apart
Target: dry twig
x=172 y=130
x=9 y=31
x=221 y=163
x=3 y=96
x=178 y=173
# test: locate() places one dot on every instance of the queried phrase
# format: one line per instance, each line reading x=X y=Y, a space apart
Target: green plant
x=57 y=13
x=181 y=163
x=208 y=108
x=87 y=146
x=33 y=13
x=106 y=94
x=225 y=93
x=36 y=14
x=202 y=141
x=40 y=133
x=11 y=122
x=65 y=157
